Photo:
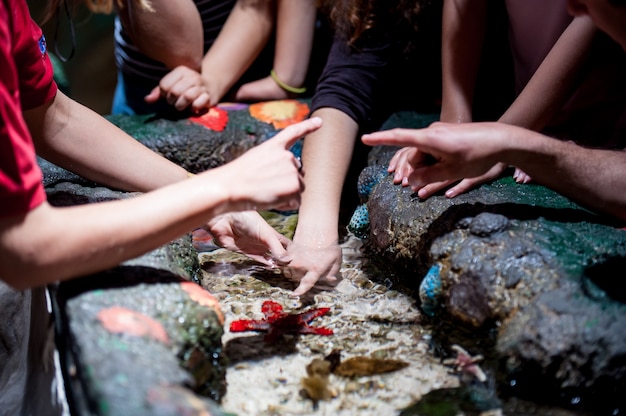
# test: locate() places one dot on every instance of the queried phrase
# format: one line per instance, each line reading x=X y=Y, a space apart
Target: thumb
x=154 y=95
x=277 y=246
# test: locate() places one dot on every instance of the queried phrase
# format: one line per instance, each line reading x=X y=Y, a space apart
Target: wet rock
x=132 y=331
x=521 y=262
x=191 y=145
x=136 y=339
x=485 y=224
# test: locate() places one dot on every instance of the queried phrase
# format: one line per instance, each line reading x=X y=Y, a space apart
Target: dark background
x=91 y=72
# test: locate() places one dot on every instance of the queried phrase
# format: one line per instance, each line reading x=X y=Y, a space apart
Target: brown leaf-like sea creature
x=366 y=366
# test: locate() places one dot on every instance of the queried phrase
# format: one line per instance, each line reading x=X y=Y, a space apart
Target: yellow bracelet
x=284 y=86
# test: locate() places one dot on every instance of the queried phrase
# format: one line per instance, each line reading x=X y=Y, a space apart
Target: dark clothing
x=378 y=76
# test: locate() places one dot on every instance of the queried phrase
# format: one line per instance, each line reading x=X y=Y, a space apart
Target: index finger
x=396 y=137
x=290 y=135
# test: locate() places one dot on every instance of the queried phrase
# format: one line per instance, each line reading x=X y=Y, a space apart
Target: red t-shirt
x=25 y=82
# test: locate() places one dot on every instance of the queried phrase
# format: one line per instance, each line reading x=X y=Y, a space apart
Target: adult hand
x=182 y=87
x=269 y=175
x=248 y=233
x=402 y=165
x=310 y=264
x=445 y=152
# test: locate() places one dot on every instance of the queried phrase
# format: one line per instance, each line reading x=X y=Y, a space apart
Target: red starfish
x=278 y=322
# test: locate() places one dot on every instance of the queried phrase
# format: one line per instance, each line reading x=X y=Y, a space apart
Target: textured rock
x=158 y=339
x=530 y=270
x=143 y=338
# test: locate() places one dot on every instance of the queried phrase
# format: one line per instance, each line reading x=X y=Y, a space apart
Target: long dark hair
x=352 y=19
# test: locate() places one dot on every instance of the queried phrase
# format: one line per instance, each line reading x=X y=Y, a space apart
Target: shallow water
x=368 y=320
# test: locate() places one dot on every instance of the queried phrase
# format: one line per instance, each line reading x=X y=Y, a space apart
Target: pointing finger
x=292 y=133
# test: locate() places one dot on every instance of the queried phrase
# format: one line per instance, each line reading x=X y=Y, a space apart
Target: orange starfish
x=280 y=113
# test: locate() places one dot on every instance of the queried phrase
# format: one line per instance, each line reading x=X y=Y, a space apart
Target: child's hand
x=248 y=233
x=182 y=88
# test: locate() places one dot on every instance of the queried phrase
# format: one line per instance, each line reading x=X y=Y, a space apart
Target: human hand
x=309 y=264
x=269 y=175
x=182 y=87
x=443 y=153
x=248 y=233
x=521 y=177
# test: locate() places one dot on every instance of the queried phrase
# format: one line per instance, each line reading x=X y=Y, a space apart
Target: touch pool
x=512 y=270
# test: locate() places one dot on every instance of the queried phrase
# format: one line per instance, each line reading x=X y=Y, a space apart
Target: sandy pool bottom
x=368 y=320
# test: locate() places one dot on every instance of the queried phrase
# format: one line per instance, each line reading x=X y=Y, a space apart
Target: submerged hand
x=248 y=233
x=309 y=264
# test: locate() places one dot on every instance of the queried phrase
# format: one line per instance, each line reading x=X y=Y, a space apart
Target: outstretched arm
x=98 y=236
x=591 y=177
x=240 y=41
x=554 y=80
x=63 y=132
x=326 y=157
x=73 y=136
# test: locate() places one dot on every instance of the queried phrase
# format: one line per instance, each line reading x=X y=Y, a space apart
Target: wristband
x=284 y=86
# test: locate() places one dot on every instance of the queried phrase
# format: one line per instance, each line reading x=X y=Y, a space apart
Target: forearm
x=294 y=40
x=462 y=38
x=326 y=157
x=239 y=43
x=118 y=161
x=158 y=33
x=592 y=177
x=50 y=244
x=554 y=80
